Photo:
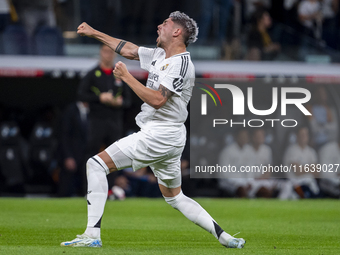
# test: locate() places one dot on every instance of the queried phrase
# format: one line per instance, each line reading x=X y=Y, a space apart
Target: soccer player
x=160 y=142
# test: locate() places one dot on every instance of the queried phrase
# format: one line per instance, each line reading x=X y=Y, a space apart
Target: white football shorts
x=141 y=149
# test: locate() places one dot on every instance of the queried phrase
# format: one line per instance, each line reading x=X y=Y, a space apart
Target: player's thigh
x=144 y=150
x=168 y=173
x=170 y=185
x=114 y=158
x=124 y=152
x=169 y=166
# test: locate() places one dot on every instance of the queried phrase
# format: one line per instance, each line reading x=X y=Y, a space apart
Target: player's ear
x=177 y=32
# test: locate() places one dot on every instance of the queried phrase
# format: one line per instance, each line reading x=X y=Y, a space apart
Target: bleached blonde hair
x=189 y=25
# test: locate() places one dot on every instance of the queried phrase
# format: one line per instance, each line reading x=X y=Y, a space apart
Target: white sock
x=194 y=212
x=97 y=189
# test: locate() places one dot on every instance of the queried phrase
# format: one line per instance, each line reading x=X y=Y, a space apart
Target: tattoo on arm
x=165 y=92
x=120 y=46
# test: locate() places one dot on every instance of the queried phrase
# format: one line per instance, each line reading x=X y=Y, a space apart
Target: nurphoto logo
x=238 y=104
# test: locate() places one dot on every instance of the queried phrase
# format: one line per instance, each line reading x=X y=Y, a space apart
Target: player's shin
x=194 y=212
x=96 y=171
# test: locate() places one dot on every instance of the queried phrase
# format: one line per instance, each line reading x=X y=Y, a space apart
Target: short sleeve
x=174 y=80
x=146 y=56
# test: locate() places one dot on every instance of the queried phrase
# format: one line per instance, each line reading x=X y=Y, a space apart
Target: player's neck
x=174 y=50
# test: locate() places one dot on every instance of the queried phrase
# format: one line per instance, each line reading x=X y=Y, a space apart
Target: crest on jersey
x=164 y=67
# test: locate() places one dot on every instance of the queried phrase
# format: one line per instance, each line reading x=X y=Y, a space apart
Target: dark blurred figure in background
x=208 y=8
x=329 y=10
x=73 y=142
x=260 y=45
x=263 y=185
x=35 y=13
x=301 y=154
x=329 y=183
x=310 y=17
x=323 y=121
x=12 y=160
x=107 y=97
x=139 y=18
x=140 y=183
x=5 y=16
x=237 y=154
x=43 y=150
x=290 y=12
x=252 y=6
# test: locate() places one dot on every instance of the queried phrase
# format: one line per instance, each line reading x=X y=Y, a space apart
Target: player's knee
x=96 y=164
x=174 y=201
x=91 y=164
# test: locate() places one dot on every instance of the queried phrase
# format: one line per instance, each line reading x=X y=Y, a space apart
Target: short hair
x=189 y=25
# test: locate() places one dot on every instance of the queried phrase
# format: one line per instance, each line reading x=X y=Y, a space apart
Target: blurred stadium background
x=43 y=60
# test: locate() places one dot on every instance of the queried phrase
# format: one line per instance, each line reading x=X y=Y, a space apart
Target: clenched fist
x=85 y=29
x=120 y=70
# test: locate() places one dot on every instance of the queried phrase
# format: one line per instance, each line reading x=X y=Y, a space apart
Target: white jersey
x=262 y=156
x=301 y=156
x=330 y=156
x=235 y=156
x=176 y=73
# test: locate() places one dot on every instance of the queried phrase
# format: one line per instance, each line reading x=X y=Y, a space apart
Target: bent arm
x=154 y=98
x=126 y=49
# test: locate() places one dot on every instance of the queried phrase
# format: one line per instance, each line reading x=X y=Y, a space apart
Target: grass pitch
x=150 y=226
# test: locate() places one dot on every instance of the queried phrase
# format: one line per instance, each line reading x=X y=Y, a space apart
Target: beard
x=158 y=42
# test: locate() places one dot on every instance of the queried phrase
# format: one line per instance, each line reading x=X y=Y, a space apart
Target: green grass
x=150 y=226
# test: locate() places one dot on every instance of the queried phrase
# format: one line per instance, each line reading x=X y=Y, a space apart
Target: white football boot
x=235 y=243
x=83 y=241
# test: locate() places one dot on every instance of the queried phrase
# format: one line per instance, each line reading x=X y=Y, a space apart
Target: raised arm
x=124 y=48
